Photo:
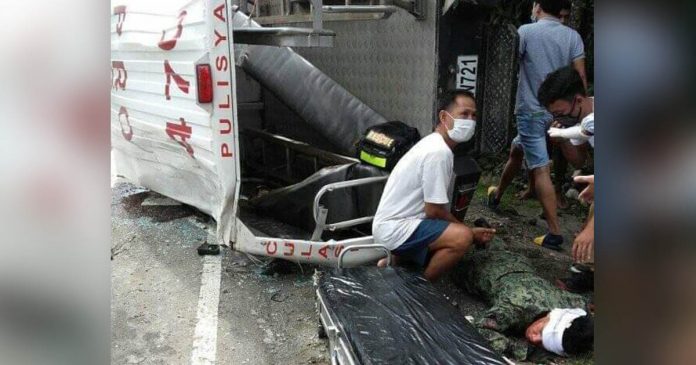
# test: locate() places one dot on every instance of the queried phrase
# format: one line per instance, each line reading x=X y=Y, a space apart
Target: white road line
x=205 y=336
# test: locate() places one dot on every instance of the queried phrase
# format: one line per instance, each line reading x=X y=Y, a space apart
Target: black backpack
x=383 y=145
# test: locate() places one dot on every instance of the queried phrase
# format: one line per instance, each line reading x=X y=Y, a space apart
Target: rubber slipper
x=491 y=202
x=550 y=241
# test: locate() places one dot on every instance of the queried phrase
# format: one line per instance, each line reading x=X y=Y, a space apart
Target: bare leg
x=448 y=249
x=547 y=197
x=560 y=167
x=529 y=192
x=383 y=261
x=512 y=167
x=576 y=155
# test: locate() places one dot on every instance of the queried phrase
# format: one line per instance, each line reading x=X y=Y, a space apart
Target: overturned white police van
x=175 y=128
x=189 y=121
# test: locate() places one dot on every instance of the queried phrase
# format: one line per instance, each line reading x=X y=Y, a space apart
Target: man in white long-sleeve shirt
x=413 y=219
x=563 y=94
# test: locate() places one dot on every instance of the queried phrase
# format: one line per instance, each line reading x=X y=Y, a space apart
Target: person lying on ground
x=524 y=304
x=413 y=219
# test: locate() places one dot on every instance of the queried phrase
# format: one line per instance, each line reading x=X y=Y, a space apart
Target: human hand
x=483 y=235
x=587 y=195
x=555 y=132
x=583 y=246
x=489 y=323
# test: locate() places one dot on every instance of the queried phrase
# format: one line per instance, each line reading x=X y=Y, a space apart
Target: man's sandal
x=491 y=201
x=550 y=241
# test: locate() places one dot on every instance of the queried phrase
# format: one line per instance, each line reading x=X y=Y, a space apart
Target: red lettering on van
x=308 y=253
x=322 y=251
x=268 y=247
x=221 y=63
x=180 y=81
x=183 y=132
x=121 y=12
x=220 y=12
x=227 y=123
x=169 y=44
x=225 y=106
x=123 y=112
x=225 y=150
x=292 y=249
x=219 y=38
x=121 y=74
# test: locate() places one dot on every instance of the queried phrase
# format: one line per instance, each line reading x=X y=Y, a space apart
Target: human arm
x=574 y=132
x=435 y=179
x=493 y=326
x=583 y=246
x=578 y=57
x=513 y=347
x=587 y=195
x=579 y=66
x=482 y=235
x=439 y=211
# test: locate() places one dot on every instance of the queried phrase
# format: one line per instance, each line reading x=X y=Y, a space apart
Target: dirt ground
x=263 y=319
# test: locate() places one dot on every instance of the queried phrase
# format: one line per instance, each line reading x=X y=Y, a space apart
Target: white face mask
x=463 y=129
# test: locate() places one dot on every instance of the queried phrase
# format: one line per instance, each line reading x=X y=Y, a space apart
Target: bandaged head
x=559 y=321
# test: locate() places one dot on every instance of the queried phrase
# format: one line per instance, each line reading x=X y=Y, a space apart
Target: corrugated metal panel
x=389 y=64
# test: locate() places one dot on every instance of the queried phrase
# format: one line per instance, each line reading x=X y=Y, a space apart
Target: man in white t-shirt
x=563 y=94
x=413 y=217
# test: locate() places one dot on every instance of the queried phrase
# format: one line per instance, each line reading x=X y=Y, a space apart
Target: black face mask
x=568 y=120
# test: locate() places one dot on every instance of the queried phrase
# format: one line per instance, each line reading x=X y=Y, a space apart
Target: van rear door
x=167 y=57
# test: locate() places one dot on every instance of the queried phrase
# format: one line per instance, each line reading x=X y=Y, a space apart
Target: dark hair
x=565 y=5
x=450 y=97
x=448 y=100
x=552 y=7
x=562 y=84
x=579 y=337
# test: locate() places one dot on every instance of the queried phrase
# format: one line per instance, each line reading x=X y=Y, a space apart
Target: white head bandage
x=559 y=321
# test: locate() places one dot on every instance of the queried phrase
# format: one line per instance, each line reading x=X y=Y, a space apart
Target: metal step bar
x=284 y=37
x=316 y=36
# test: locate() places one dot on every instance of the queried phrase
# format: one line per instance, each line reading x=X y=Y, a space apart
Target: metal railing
x=359 y=247
x=319 y=212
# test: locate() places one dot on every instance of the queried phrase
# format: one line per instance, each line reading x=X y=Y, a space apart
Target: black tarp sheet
x=395 y=316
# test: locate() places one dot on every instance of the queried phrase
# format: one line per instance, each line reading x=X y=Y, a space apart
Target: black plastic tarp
x=394 y=316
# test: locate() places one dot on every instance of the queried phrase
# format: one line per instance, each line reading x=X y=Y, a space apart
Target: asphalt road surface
x=172 y=306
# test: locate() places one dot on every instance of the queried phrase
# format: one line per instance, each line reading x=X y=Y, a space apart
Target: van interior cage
x=498 y=87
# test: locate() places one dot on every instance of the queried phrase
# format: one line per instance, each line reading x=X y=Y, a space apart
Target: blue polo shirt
x=545 y=46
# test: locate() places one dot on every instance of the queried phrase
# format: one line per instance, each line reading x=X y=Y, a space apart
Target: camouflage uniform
x=517 y=295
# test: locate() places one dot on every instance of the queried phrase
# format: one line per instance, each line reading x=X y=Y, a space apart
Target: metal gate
x=499 y=86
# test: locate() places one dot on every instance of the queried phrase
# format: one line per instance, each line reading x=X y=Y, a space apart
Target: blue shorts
x=531 y=135
x=416 y=246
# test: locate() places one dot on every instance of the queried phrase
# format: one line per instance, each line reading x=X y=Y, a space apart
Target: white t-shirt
x=586 y=128
x=423 y=175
